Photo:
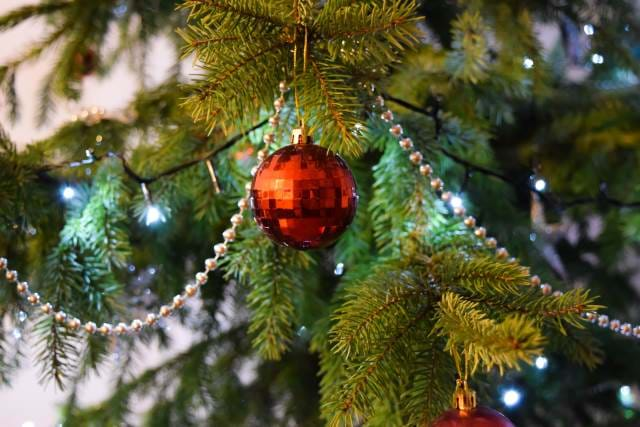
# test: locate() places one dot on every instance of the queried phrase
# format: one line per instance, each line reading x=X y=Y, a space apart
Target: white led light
x=588 y=29
x=511 y=397
x=540 y=184
x=153 y=215
x=596 y=58
x=527 y=63
x=456 y=202
x=68 y=193
x=542 y=362
x=626 y=396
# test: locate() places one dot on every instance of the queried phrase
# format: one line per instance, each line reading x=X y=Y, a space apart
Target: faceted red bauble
x=303 y=196
x=478 y=417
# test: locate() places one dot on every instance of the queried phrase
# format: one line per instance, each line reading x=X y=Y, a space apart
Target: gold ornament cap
x=301 y=136
x=464 y=398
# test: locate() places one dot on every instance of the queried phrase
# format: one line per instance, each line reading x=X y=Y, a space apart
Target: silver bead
x=387 y=116
x=229 y=234
x=502 y=253
x=491 y=242
x=11 y=275
x=60 y=316
x=3 y=263
x=535 y=280
x=46 y=308
x=220 y=249
x=480 y=232
x=614 y=325
x=22 y=287
x=201 y=278
x=603 y=321
x=436 y=184
x=396 y=130
x=268 y=138
x=470 y=222
x=151 y=319
x=165 y=311
x=243 y=203
x=90 y=327
x=178 y=301
x=136 y=325
x=426 y=170
x=283 y=86
x=34 y=298
x=105 y=329
x=121 y=328
x=406 y=144
x=446 y=196
x=236 y=219
x=190 y=290
x=415 y=157
x=210 y=264
x=546 y=289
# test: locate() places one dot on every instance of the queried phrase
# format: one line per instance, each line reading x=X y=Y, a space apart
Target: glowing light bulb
x=68 y=193
x=588 y=29
x=456 y=202
x=542 y=362
x=153 y=215
x=540 y=184
x=626 y=397
x=528 y=63
x=511 y=397
x=596 y=58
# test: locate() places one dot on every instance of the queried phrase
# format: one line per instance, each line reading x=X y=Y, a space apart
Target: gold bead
x=220 y=249
x=3 y=263
x=151 y=319
x=229 y=234
x=614 y=325
x=459 y=211
x=437 y=184
x=248 y=186
x=254 y=170
x=73 y=324
x=190 y=290
x=90 y=327
x=236 y=219
x=243 y=203
x=491 y=242
x=535 y=280
x=268 y=138
x=502 y=253
x=178 y=301
x=446 y=196
x=279 y=103
x=592 y=316
x=22 y=287
x=274 y=121
x=387 y=116
x=380 y=101
x=558 y=293
x=210 y=264
x=426 y=170
x=46 y=308
x=136 y=325
x=396 y=130
x=11 y=275
x=407 y=144
x=121 y=328
x=636 y=331
x=201 y=278
x=283 y=87
x=470 y=222
x=415 y=157
x=60 y=316
x=105 y=329
x=625 y=329
x=165 y=311
x=546 y=289
x=480 y=232
x=261 y=155
x=33 y=298
x=603 y=320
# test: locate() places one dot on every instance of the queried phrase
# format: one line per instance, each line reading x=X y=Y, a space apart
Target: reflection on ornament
x=303 y=196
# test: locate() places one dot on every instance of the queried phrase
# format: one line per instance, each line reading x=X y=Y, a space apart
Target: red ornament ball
x=480 y=416
x=303 y=196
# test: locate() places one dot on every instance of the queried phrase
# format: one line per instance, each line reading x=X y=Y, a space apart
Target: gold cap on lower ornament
x=464 y=398
x=301 y=136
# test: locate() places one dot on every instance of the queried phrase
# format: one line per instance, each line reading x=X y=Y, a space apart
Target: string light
x=339 y=270
x=456 y=202
x=588 y=29
x=511 y=397
x=542 y=362
x=598 y=59
x=68 y=193
x=527 y=63
x=540 y=184
x=626 y=397
x=152 y=213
